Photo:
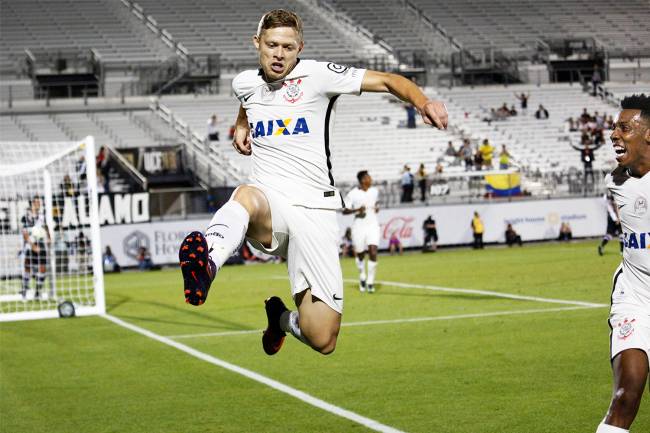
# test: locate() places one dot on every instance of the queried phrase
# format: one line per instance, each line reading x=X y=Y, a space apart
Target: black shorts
x=613 y=228
x=36 y=258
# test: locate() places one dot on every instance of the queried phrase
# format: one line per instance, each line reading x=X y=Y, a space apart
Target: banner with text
x=533 y=220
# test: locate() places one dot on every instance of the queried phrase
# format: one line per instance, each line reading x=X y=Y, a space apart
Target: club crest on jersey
x=625 y=329
x=292 y=92
x=640 y=205
x=265 y=128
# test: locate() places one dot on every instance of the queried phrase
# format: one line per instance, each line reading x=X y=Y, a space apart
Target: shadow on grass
x=113 y=304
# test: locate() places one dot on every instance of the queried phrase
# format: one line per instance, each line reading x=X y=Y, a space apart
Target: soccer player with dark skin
x=631 y=141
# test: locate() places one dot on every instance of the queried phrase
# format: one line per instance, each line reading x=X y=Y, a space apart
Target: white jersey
x=290 y=123
x=357 y=198
x=632 y=278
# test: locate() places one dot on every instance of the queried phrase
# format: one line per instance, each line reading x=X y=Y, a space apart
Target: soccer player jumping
x=629 y=317
x=289 y=209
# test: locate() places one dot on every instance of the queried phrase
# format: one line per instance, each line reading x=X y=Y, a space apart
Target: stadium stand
x=205 y=26
x=401 y=26
x=115 y=128
x=512 y=24
x=49 y=27
x=536 y=144
x=368 y=133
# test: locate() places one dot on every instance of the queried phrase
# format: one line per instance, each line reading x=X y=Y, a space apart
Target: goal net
x=50 y=249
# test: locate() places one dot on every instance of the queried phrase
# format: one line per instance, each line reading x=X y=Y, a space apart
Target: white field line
x=397 y=321
x=484 y=292
x=300 y=395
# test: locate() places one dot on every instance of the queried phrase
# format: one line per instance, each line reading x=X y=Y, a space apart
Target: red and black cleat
x=197 y=268
x=273 y=336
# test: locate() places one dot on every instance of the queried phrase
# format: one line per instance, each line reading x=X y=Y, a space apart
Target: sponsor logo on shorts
x=336 y=298
x=625 y=328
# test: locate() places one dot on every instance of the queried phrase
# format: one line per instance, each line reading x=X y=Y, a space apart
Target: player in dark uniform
x=35 y=236
x=613 y=225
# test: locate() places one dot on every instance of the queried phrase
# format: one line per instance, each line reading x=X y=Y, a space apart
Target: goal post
x=50 y=247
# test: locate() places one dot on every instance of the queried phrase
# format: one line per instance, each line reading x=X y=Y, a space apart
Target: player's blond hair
x=280 y=18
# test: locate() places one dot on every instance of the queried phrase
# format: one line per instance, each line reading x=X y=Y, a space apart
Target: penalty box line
x=398 y=321
x=279 y=386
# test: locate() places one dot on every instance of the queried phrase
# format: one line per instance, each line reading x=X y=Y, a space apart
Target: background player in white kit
x=290 y=207
x=363 y=202
x=630 y=313
x=613 y=225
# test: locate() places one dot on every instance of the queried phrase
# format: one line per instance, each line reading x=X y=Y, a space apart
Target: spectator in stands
x=512 y=237
x=465 y=153
x=585 y=116
x=477 y=231
x=347 y=249
x=596 y=79
x=486 y=151
x=565 y=232
x=430 y=235
x=451 y=151
x=410 y=116
x=504 y=158
x=213 y=133
x=513 y=110
x=503 y=112
x=421 y=178
x=492 y=117
x=144 y=259
x=587 y=157
x=523 y=100
x=109 y=261
x=80 y=167
x=571 y=125
x=598 y=136
x=407 y=185
x=68 y=188
x=394 y=244
x=478 y=160
x=102 y=162
x=541 y=113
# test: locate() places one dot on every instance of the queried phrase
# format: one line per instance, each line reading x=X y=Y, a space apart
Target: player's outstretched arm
x=242 y=138
x=433 y=112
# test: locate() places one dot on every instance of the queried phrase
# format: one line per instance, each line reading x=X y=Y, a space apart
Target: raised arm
x=433 y=112
x=242 y=138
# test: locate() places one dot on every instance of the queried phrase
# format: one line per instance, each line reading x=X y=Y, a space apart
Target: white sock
x=361 y=268
x=606 y=428
x=372 y=269
x=226 y=231
x=290 y=322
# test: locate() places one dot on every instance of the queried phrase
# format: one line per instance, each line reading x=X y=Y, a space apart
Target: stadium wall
x=534 y=220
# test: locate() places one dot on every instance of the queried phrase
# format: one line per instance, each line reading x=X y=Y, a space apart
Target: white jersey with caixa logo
x=290 y=123
x=631 y=285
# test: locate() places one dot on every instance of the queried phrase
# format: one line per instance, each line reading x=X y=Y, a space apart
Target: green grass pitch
x=524 y=372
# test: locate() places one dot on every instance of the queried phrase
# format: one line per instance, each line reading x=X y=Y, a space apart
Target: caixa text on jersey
x=264 y=128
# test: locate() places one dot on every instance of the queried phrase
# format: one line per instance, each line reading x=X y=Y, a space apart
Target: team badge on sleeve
x=292 y=91
x=339 y=69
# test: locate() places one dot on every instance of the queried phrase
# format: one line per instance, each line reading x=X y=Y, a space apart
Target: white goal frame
x=34 y=167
